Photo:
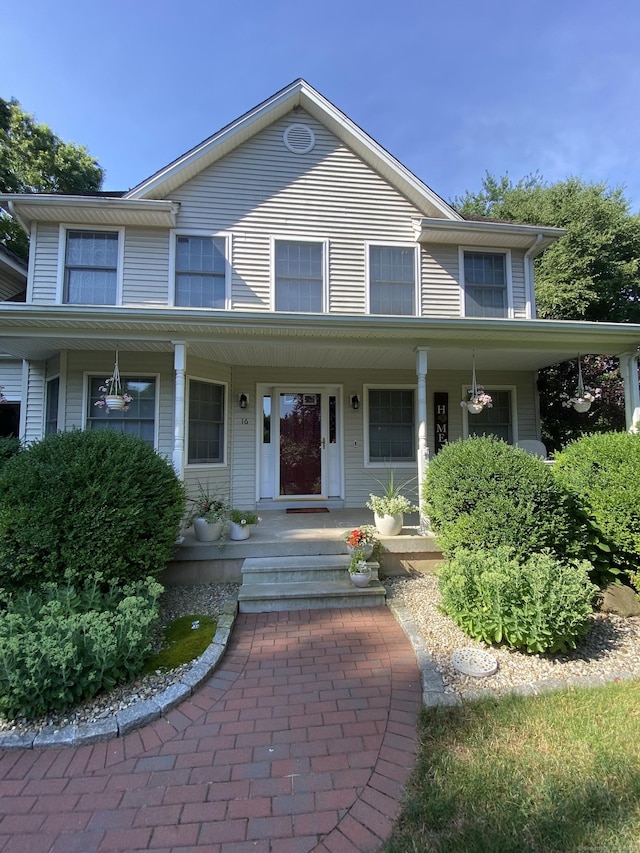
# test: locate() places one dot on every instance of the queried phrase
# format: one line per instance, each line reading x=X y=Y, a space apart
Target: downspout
x=528 y=278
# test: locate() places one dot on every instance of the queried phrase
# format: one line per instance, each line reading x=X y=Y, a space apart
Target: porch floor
x=282 y=534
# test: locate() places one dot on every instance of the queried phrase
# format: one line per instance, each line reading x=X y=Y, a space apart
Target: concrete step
x=309 y=595
x=320 y=569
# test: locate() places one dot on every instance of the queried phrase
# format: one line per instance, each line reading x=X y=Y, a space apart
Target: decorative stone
x=620 y=599
x=474 y=662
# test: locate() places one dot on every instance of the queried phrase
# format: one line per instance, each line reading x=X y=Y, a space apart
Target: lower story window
x=495 y=420
x=206 y=423
x=51 y=406
x=392 y=435
x=139 y=419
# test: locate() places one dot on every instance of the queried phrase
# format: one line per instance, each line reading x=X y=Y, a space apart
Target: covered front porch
x=302 y=535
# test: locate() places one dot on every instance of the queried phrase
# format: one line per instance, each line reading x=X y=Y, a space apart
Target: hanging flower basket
x=112 y=397
x=583 y=397
x=478 y=399
x=115 y=402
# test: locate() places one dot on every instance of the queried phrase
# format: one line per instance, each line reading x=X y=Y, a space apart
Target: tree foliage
x=593 y=273
x=34 y=159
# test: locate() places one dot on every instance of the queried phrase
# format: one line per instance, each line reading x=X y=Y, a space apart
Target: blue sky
x=452 y=89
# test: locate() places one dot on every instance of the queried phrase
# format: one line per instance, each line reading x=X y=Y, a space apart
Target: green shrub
x=80 y=504
x=61 y=646
x=603 y=472
x=536 y=605
x=483 y=493
x=9 y=446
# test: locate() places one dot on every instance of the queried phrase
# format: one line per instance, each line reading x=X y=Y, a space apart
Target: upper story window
x=485 y=284
x=91 y=267
x=299 y=284
x=200 y=271
x=392 y=280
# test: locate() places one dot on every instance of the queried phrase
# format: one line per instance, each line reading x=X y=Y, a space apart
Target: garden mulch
x=301 y=741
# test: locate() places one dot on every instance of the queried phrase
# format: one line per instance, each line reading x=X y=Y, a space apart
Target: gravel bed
x=610 y=649
x=176 y=601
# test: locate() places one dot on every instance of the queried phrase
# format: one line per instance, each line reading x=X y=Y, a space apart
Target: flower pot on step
x=206 y=532
x=389 y=525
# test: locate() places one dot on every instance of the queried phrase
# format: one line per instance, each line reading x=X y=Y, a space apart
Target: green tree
x=33 y=159
x=592 y=273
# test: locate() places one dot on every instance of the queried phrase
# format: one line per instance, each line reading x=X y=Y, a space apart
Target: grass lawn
x=549 y=774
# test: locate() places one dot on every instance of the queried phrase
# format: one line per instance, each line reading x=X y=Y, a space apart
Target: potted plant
x=240 y=523
x=389 y=509
x=478 y=399
x=362 y=538
x=112 y=397
x=210 y=516
x=359 y=569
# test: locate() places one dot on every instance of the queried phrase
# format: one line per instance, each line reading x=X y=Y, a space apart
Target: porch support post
x=423 y=450
x=179 y=364
x=629 y=371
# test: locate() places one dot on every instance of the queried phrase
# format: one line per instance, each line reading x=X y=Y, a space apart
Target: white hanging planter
x=582 y=405
x=477 y=397
x=114 y=402
x=474 y=408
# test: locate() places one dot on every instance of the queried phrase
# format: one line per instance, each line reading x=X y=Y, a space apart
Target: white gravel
x=610 y=649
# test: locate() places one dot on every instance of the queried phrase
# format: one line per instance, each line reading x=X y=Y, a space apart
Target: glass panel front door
x=300 y=416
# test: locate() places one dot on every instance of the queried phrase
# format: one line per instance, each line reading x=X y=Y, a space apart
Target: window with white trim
x=392 y=431
x=496 y=420
x=140 y=415
x=392 y=280
x=485 y=284
x=200 y=271
x=299 y=276
x=51 y=406
x=205 y=438
x=91 y=267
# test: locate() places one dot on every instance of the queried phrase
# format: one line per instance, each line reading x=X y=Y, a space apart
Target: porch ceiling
x=308 y=341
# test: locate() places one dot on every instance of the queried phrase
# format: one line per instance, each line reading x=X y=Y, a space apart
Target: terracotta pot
x=389 y=525
x=205 y=531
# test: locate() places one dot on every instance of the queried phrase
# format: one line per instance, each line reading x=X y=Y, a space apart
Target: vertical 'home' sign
x=441 y=419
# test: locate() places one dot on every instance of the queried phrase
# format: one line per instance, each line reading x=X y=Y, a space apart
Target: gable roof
x=298 y=94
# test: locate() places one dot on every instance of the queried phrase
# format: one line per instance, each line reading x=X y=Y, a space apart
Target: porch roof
x=245 y=338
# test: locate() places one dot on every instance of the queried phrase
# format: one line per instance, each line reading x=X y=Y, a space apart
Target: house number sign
x=441 y=419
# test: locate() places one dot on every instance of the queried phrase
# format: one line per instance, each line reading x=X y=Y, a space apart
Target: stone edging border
x=141 y=713
x=433 y=694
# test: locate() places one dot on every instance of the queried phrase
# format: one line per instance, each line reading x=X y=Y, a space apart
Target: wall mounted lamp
x=355 y=402
x=243 y=401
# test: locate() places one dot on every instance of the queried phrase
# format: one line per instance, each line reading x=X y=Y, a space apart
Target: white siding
x=45 y=263
x=146 y=267
x=11 y=379
x=518 y=285
x=441 y=293
x=32 y=410
x=262 y=190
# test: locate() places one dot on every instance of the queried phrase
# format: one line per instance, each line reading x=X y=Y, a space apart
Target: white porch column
x=629 y=371
x=423 y=450
x=179 y=364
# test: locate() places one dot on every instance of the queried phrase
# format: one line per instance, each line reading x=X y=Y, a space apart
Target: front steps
x=271 y=584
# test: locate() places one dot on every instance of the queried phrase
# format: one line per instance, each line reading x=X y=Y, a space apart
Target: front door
x=302 y=441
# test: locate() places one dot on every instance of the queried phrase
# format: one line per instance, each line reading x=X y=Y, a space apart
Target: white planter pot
x=206 y=532
x=389 y=525
x=474 y=408
x=114 y=402
x=360 y=578
x=367 y=551
x=239 y=531
x=582 y=407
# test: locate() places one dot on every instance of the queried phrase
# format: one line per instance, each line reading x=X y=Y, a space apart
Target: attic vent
x=299 y=138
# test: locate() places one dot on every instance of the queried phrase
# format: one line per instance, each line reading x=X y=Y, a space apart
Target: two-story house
x=293 y=311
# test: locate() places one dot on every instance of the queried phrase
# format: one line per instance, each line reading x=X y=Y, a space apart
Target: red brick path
x=300 y=741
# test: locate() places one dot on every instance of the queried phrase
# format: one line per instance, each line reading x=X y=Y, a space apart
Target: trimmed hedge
x=482 y=493
x=62 y=646
x=79 y=505
x=535 y=605
x=603 y=472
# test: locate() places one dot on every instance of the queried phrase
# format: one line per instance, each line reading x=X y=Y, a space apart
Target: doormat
x=309 y=509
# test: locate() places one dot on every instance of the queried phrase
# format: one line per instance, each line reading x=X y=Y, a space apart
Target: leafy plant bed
x=175 y=602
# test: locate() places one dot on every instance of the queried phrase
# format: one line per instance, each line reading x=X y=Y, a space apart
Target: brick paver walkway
x=300 y=741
